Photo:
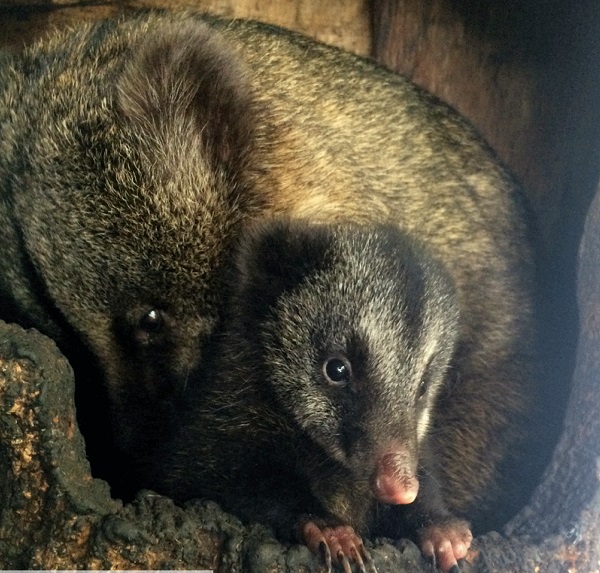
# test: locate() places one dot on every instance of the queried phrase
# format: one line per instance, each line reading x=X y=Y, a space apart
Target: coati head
x=355 y=328
x=135 y=179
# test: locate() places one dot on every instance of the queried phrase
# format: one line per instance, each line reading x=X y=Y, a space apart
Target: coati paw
x=339 y=544
x=445 y=543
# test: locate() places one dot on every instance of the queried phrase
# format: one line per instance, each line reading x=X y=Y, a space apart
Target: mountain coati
x=133 y=152
x=314 y=416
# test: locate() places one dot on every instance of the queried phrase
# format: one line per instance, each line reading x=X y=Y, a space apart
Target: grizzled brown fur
x=132 y=152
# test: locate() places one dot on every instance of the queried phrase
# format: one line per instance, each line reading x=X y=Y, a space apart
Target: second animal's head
x=129 y=184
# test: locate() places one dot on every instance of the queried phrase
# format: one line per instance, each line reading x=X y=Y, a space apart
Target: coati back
x=132 y=152
x=336 y=342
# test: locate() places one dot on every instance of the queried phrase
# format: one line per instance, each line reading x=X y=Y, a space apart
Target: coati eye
x=151 y=327
x=338 y=371
x=143 y=328
x=422 y=388
x=153 y=321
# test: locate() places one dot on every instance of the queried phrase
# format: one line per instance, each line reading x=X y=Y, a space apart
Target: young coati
x=132 y=152
x=315 y=415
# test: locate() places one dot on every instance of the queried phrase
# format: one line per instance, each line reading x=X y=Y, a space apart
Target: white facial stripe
x=423 y=424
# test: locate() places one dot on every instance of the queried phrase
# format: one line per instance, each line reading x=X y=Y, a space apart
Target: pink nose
x=394 y=481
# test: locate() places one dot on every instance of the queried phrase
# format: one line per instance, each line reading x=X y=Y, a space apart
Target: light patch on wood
x=343 y=23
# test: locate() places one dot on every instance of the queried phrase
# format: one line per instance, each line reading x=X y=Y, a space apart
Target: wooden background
x=341 y=22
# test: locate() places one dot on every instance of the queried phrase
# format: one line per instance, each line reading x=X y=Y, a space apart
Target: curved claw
x=434 y=566
x=444 y=543
x=433 y=563
x=326 y=554
x=344 y=561
x=340 y=543
x=368 y=560
x=358 y=558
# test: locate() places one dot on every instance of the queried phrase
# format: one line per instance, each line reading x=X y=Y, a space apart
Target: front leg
x=338 y=543
x=289 y=508
x=445 y=541
x=442 y=537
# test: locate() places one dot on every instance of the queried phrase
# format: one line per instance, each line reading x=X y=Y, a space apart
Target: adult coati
x=131 y=154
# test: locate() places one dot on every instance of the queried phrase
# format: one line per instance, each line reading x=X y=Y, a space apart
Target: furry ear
x=183 y=75
x=277 y=256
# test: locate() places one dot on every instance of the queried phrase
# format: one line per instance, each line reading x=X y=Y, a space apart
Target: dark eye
x=422 y=387
x=337 y=371
x=153 y=321
x=150 y=327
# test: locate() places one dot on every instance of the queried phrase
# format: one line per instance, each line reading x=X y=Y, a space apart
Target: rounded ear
x=277 y=256
x=184 y=76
